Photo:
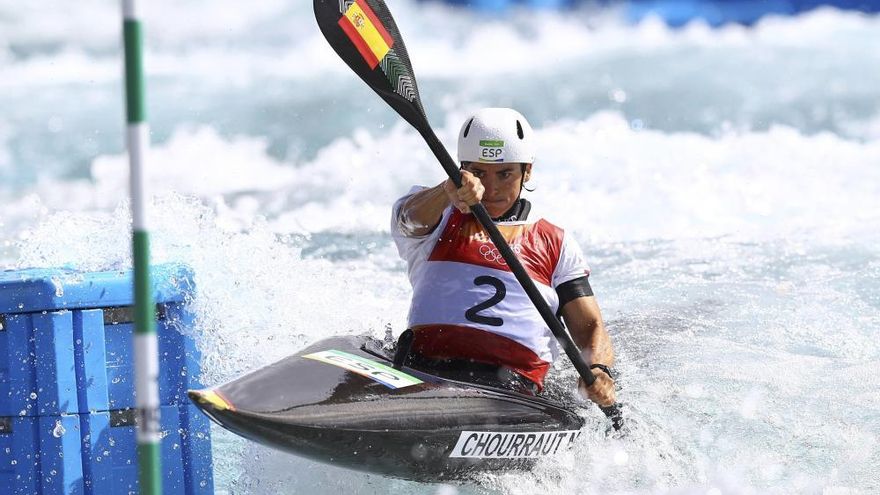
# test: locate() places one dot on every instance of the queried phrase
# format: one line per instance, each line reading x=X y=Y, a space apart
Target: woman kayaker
x=470 y=317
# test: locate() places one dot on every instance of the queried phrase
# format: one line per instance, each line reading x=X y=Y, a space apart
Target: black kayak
x=341 y=401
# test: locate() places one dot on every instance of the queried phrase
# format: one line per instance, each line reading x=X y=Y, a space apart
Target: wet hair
x=522 y=182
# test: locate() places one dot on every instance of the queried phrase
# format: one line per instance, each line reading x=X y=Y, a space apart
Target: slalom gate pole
x=145 y=341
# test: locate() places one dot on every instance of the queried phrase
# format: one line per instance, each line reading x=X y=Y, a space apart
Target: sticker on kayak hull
x=386 y=375
x=508 y=445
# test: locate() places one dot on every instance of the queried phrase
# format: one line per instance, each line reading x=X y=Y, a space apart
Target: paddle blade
x=365 y=36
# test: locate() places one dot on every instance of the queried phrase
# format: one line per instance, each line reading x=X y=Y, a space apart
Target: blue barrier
x=679 y=12
x=96 y=453
x=67 y=385
x=718 y=12
x=715 y=13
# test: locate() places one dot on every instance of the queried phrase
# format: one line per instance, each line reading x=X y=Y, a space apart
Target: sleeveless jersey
x=466 y=302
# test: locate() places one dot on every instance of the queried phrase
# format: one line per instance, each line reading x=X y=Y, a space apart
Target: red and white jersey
x=466 y=302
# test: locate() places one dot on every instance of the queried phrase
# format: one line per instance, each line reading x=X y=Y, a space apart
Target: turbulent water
x=725 y=185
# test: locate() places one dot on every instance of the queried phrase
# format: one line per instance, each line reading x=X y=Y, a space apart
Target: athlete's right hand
x=601 y=391
x=470 y=192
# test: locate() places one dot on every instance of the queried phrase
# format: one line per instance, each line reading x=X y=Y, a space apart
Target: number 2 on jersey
x=500 y=292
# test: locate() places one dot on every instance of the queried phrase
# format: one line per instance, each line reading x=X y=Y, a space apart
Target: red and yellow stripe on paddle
x=366 y=32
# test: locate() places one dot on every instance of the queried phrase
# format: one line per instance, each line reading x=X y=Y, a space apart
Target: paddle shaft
x=509 y=256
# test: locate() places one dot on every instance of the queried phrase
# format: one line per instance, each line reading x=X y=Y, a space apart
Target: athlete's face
x=502 y=182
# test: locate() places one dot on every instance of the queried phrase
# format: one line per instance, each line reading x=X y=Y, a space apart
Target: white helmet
x=496 y=135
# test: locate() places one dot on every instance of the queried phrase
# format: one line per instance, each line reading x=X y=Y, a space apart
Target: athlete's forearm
x=596 y=348
x=595 y=343
x=584 y=319
x=421 y=213
x=588 y=331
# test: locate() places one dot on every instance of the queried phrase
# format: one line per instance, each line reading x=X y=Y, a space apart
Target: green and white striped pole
x=146 y=345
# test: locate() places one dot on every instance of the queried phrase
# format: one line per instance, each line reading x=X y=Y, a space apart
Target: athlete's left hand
x=601 y=391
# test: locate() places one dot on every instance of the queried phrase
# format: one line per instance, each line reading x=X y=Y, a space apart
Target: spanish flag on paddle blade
x=366 y=32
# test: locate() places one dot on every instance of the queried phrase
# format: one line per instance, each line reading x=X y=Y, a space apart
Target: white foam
x=217 y=44
x=68 y=66
x=607 y=181
x=867 y=129
x=257 y=299
x=98 y=23
x=201 y=162
x=598 y=177
x=646 y=184
x=5 y=158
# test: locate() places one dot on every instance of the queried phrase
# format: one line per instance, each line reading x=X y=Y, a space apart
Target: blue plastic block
x=69 y=362
x=119 y=352
x=60 y=462
x=110 y=453
x=91 y=359
x=35 y=290
x=179 y=367
x=67 y=385
x=97 y=456
x=36 y=356
x=55 y=370
x=197 y=458
x=178 y=363
x=19 y=459
x=36 y=338
x=63 y=362
x=173 y=474
x=40 y=455
x=18 y=389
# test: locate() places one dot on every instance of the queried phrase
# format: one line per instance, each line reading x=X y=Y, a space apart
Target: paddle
x=365 y=36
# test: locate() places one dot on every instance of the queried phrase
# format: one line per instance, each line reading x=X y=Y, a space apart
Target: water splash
x=59 y=430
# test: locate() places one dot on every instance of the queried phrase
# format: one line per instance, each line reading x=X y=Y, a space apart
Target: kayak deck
x=340 y=401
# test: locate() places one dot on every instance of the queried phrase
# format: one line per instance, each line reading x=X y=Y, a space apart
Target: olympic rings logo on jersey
x=490 y=253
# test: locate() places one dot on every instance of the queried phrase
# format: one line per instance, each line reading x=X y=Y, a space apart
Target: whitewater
x=724 y=184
